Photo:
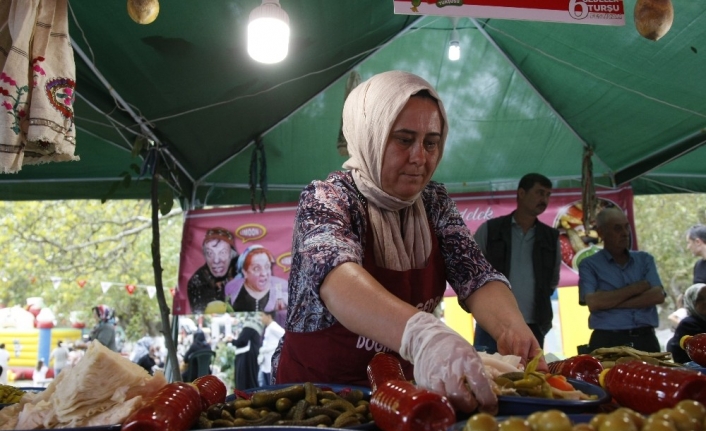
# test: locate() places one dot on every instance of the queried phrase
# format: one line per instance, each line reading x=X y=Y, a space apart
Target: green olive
x=631 y=414
x=619 y=422
x=597 y=420
x=583 y=427
x=681 y=420
x=481 y=422
x=514 y=424
x=553 y=420
x=534 y=420
x=658 y=424
x=693 y=408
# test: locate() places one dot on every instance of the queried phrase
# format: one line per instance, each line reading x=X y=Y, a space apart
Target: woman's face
x=413 y=148
x=257 y=274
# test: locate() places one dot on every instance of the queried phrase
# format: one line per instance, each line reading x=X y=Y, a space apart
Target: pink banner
x=272 y=230
x=564 y=206
x=597 y=12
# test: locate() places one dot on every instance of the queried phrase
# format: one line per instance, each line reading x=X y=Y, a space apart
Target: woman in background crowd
x=198 y=344
x=60 y=355
x=39 y=376
x=247 y=347
x=104 y=331
x=150 y=360
x=694 y=323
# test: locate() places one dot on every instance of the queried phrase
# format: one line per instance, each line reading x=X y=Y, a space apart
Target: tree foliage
x=92 y=242
x=661 y=222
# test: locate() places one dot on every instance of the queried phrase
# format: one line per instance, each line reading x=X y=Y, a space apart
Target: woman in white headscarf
x=694 y=323
x=373 y=249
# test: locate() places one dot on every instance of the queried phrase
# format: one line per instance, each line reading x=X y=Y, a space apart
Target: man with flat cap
x=208 y=282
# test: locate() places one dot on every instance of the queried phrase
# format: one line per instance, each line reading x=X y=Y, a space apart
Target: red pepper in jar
x=398 y=405
x=581 y=367
x=211 y=389
x=648 y=388
x=175 y=407
x=695 y=347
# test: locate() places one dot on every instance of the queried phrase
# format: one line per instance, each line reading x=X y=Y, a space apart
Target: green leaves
x=91 y=241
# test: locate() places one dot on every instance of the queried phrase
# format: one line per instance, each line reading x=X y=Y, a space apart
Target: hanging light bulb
x=268 y=33
x=454 y=46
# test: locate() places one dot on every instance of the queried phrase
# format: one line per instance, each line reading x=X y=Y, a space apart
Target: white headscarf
x=690 y=300
x=368 y=115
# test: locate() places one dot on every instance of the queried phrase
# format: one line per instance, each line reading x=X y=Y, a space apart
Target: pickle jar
x=695 y=347
x=398 y=405
x=382 y=368
x=581 y=367
x=647 y=388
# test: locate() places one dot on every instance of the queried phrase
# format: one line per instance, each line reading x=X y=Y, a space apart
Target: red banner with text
x=597 y=12
x=264 y=242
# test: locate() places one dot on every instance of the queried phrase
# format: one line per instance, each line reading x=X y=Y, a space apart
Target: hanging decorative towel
x=37 y=83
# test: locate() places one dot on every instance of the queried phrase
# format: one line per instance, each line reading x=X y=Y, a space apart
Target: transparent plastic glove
x=446 y=363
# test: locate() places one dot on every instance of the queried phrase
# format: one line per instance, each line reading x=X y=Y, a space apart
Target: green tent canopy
x=525 y=96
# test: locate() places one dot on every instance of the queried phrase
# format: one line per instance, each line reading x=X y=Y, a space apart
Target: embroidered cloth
x=37 y=82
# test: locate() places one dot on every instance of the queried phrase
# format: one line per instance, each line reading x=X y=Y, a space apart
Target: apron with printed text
x=337 y=355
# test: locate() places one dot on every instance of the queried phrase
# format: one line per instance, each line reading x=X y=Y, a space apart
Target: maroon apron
x=337 y=355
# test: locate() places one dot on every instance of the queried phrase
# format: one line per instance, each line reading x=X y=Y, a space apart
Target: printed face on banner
x=206 y=285
x=218 y=255
x=255 y=287
x=240 y=266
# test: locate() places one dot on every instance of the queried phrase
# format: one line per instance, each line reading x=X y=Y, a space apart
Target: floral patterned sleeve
x=327 y=233
x=466 y=267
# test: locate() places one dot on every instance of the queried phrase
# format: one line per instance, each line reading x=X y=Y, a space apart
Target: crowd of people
x=255 y=339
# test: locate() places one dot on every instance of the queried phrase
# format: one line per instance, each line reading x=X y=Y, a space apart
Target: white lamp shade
x=268 y=33
x=454 y=50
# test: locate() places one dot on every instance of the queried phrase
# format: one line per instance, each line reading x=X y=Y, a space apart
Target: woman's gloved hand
x=446 y=363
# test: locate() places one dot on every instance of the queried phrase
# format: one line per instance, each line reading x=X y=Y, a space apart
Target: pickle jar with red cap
x=647 y=388
x=695 y=347
x=398 y=405
x=581 y=367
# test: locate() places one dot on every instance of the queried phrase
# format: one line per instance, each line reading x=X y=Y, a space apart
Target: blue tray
x=694 y=366
x=520 y=406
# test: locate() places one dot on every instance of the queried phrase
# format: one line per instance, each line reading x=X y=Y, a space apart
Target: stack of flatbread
x=104 y=388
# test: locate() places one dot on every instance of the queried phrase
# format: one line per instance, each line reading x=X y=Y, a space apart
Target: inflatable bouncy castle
x=29 y=335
